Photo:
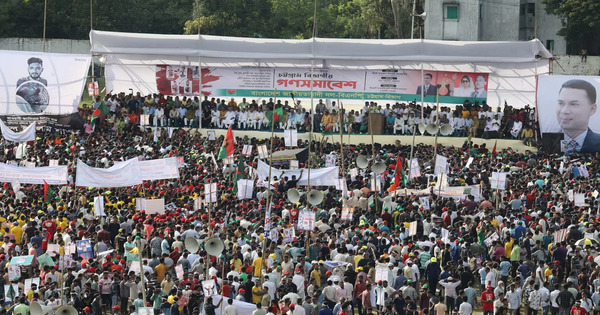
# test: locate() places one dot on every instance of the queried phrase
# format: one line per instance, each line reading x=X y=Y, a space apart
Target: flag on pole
x=399 y=176
x=48 y=192
x=239 y=172
x=227 y=147
x=494 y=149
x=100 y=112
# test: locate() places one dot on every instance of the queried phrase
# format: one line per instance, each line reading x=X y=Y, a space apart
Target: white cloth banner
x=327 y=176
x=158 y=169
x=26 y=135
x=55 y=175
x=245 y=188
x=120 y=175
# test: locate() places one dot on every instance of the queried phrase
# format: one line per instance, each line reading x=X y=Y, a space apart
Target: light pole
x=44 y=32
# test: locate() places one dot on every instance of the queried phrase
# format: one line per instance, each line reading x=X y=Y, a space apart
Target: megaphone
x=36 y=308
x=421 y=128
x=432 y=129
x=293 y=195
x=214 y=246
x=191 y=244
x=446 y=130
x=314 y=197
x=362 y=161
x=379 y=167
x=66 y=310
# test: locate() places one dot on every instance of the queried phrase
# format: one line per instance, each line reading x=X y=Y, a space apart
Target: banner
x=288 y=235
x=383 y=84
x=155 y=206
x=84 y=249
x=330 y=160
x=120 y=175
x=290 y=137
x=441 y=165
x=99 y=206
x=210 y=192
x=28 y=134
x=158 y=169
x=245 y=188
x=306 y=220
x=414 y=168
x=498 y=180
x=327 y=176
x=347 y=213
x=568 y=105
x=41 y=87
x=53 y=175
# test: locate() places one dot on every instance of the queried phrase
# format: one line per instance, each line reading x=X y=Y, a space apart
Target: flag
x=100 y=112
x=494 y=149
x=239 y=172
x=227 y=147
x=48 y=192
x=399 y=176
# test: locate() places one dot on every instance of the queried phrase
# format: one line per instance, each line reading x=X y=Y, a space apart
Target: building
x=493 y=20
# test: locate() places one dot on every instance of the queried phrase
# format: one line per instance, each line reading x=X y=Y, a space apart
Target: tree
x=581 y=23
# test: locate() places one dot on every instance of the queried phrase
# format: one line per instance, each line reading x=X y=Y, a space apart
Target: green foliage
x=70 y=19
x=581 y=23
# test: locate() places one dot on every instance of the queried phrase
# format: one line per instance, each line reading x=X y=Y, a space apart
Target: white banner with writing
x=53 y=175
x=120 y=175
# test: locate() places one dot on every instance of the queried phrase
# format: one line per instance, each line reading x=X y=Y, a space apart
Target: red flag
x=398 y=175
x=46 y=187
x=494 y=149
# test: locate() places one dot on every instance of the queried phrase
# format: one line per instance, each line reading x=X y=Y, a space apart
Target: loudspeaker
x=314 y=197
x=214 y=246
x=293 y=195
x=551 y=142
x=191 y=244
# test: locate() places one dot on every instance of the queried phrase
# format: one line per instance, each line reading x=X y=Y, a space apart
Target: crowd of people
x=474 y=120
x=410 y=246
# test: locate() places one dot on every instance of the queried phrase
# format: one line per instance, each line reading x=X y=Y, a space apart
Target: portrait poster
x=42 y=87
x=567 y=105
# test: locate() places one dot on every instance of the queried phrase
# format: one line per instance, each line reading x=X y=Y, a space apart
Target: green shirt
x=515 y=254
x=21 y=309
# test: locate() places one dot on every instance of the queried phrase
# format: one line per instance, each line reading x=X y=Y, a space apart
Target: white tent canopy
x=512 y=66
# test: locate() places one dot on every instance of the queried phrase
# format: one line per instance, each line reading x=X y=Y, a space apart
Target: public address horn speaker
x=432 y=129
x=66 y=310
x=191 y=244
x=314 y=197
x=362 y=161
x=421 y=127
x=446 y=130
x=36 y=309
x=379 y=167
x=293 y=195
x=214 y=246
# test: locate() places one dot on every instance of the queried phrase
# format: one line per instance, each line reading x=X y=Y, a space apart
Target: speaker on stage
x=551 y=142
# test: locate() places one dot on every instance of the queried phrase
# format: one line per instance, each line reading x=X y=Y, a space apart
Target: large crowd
x=526 y=247
x=474 y=120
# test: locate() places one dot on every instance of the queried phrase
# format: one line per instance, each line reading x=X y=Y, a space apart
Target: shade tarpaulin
x=132 y=60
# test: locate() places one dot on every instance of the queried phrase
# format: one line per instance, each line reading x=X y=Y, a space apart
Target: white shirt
x=230 y=310
x=544 y=296
x=553 y=296
x=465 y=308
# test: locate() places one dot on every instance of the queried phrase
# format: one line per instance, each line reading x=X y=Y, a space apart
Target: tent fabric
x=384 y=50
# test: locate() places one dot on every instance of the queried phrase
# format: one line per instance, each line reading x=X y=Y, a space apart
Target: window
x=522 y=9
x=451 y=11
x=550 y=45
x=531 y=8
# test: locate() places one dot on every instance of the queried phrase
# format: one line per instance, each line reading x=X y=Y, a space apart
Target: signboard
x=385 y=84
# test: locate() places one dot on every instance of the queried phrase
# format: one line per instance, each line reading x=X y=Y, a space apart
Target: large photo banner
x=257 y=82
x=567 y=105
x=41 y=87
